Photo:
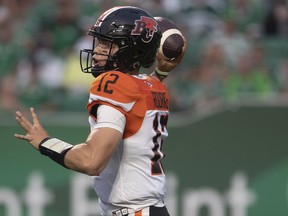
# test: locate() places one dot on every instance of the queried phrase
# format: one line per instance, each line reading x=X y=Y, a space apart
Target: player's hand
x=35 y=133
x=168 y=65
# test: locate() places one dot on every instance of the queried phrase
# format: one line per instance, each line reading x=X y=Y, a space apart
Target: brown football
x=172 y=41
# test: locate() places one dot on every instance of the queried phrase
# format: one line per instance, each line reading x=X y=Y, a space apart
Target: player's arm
x=165 y=66
x=90 y=157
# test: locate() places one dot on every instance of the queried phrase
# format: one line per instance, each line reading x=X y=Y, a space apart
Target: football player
x=128 y=116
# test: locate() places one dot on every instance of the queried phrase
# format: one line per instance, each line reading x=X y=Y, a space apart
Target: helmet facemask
x=87 y=62
x=120 y=60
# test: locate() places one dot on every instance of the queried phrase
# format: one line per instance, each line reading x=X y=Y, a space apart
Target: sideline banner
x=231 y=164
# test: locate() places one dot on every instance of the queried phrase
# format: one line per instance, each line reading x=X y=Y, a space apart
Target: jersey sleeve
x=109 y=117
x=114 y=89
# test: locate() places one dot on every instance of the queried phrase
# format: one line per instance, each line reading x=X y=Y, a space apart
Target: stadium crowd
x=237 y=51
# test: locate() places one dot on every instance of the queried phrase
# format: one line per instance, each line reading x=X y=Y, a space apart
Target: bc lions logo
x=145 y=24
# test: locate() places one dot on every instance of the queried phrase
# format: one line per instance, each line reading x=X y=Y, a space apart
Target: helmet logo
x=145 y=24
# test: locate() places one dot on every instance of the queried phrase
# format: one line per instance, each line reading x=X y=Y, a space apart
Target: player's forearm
x=81 y=158
x=92 y=156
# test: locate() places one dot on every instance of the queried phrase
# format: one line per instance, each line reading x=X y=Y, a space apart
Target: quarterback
x=128 y=115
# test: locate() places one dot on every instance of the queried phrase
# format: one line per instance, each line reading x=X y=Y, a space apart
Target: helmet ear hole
x=149 y=59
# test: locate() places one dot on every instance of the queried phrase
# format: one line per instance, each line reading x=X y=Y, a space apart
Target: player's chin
x=97 y=64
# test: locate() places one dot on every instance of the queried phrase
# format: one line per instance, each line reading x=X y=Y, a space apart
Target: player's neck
x=134 y=72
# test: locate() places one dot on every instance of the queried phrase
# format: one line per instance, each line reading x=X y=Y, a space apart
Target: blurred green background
x=226 y=153
x=233 y=162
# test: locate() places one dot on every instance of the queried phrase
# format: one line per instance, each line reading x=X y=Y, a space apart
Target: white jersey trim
x=126 y=106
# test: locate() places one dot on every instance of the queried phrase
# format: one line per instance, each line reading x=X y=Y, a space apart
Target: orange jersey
x=134 y=176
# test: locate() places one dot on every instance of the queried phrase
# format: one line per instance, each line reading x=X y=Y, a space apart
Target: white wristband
x=161 y=74
x=56 y=145
x=55 y=149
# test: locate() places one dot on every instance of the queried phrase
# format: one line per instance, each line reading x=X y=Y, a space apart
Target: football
x=172 y=41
